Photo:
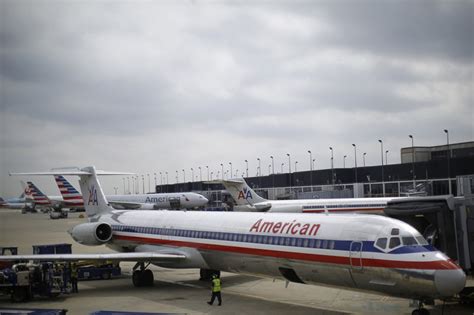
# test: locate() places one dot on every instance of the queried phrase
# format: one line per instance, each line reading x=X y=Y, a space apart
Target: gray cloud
x=164 y=85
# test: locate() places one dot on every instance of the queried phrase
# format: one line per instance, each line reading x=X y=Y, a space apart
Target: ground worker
x=74 y=278
x=216 y=290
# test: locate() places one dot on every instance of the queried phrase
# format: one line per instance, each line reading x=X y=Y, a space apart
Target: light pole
x=344 y=161
x=363 y=157
x=212 y=174
x=246 y=168
x=282 y=167
x=200 y=174
x=310 y=168
x=148 y=175
x=222 y=166
x=289 y=167
x=296 y=166
x=115 y=188
x=207 y=167
x=128 y=185
x=167 y=182
x=155 y=179
x=143 y=183
x=386 y=157
x=123 y=179
x=231 y=172
x=332 y=165
x=355 y=161
x=192 y=174
x=381 y=157
x=269 y=168
x=448 y=157
x=273 y=172
x=413 y=158
x=259 y=173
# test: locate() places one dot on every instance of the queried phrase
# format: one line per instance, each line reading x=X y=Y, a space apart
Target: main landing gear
x=421 y=310
x=142 y=277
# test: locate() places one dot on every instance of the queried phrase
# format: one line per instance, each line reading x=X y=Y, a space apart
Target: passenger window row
x=235 y=237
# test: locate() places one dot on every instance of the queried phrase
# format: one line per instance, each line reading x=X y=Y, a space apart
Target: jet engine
x=91 y=233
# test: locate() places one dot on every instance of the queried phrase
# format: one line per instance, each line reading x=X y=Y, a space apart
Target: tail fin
x=70 y=194
x=94 y=198
x=241 y=192
x=93 y=195
x=38 y=197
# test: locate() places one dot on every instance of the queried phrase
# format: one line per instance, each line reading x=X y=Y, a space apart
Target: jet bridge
x=446 y=222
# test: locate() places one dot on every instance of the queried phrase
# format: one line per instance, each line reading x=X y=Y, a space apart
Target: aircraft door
x=355 y=256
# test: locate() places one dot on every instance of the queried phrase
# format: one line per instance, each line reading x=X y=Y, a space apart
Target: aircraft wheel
x=147 y=277
x=136 y=278
x=421 y=311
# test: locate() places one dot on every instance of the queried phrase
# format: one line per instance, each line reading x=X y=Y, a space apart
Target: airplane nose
x=449 y=282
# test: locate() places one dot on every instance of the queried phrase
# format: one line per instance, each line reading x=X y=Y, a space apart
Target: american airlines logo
x=293 y=228
x=245 y=194
x=93 y=196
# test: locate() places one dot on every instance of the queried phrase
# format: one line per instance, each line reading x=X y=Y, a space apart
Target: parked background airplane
x=185 y=200
x=248 y=200
x=351 y=251
x=22 y=201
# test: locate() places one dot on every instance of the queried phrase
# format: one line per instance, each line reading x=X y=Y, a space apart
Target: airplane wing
x=133 y=256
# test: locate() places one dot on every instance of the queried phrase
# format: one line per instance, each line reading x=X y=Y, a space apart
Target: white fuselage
x=186 y=200
x=334 y=250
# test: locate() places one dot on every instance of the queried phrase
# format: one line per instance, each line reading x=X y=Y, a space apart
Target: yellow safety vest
x=216 y=285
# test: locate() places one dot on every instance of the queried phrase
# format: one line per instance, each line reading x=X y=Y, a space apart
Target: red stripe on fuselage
x=366 y=262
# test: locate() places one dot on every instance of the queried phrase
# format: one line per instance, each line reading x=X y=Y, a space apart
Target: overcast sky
x=156 y=86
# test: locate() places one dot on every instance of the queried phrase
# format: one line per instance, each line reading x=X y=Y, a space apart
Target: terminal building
x=423 y=171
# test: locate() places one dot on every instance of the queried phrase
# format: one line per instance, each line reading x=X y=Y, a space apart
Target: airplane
x=248 y=200
x=350 y=251
x=185 y=200
x=42 y=201
x=21 y=202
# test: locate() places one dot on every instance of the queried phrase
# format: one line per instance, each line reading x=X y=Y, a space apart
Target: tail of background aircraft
x=241 y=192
x=93 y=195
x=70 y=194
x=38 y=197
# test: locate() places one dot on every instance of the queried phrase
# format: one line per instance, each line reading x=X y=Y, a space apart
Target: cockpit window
x=409 y=241
x=394 y=242
x=421 y=240
x=381 y=243
x=395 y=231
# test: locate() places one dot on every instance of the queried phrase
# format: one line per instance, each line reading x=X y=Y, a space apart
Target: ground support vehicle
x=24 y=280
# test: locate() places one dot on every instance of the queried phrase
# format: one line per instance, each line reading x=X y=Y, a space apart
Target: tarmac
x=180 y=291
